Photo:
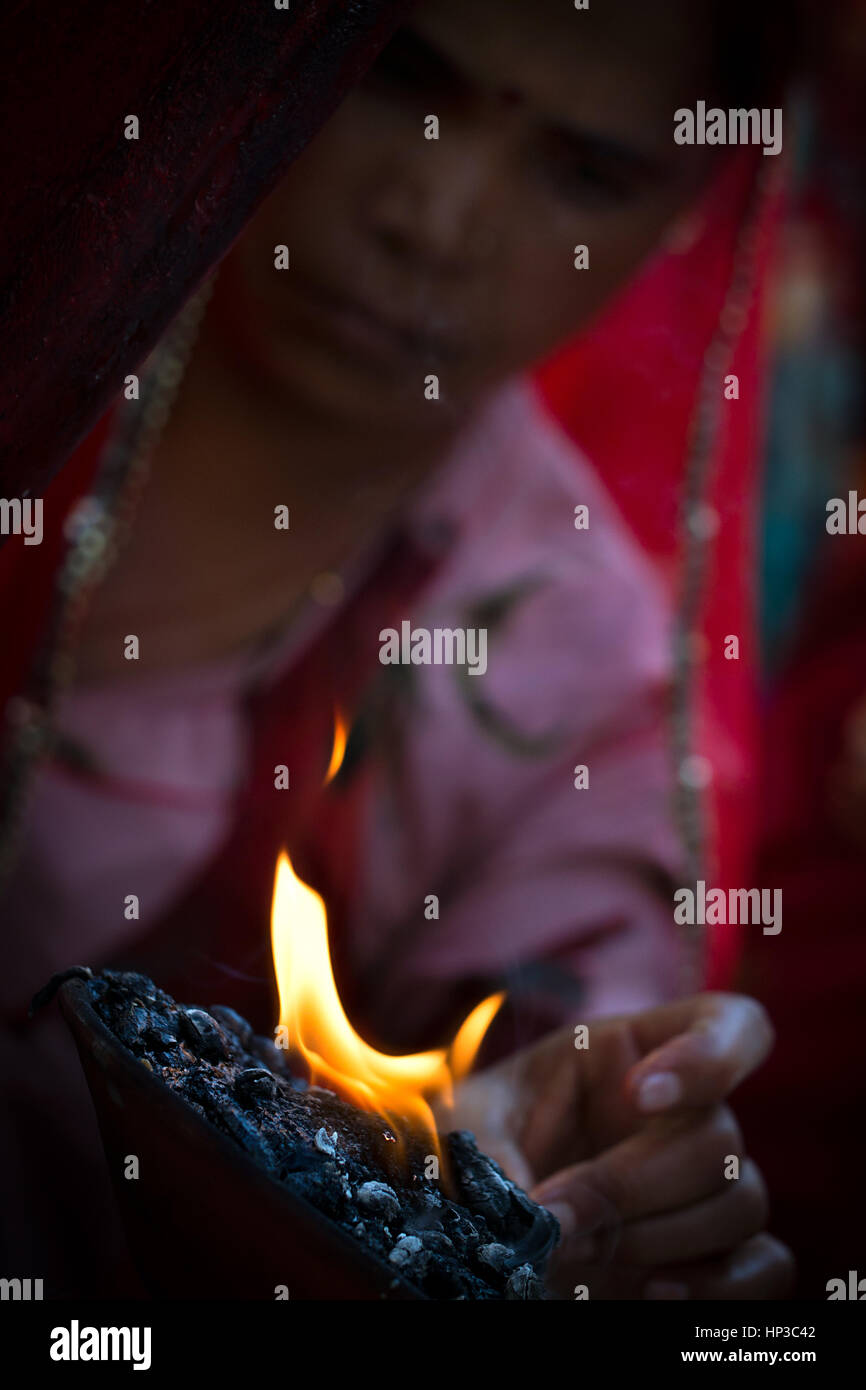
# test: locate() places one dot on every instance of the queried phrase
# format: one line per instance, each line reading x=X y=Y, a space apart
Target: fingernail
x=663 y=1288
x=564 y=1215
x=659 y=1092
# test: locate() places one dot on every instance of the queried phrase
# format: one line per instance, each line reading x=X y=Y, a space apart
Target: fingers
x=707 y=1228
x=698 y=1050
x=760 y=1268
x=657 y=1212
x=660 y=1207
x=662 y=1167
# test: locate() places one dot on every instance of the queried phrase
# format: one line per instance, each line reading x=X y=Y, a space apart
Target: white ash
x=524 y=1283
x=326 y=1143
x=378 y=1197
x=411 y=1256
x=497 y=1256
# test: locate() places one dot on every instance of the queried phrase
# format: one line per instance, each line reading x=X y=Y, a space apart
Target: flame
x=339 y=748
x=314 y=1023
x=470 y=1035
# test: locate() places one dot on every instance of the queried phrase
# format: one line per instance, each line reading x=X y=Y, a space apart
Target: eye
x=585 y=172
x=410 y=66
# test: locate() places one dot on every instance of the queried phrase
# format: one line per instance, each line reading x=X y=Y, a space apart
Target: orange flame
x=339 y=749
x=313 y=1021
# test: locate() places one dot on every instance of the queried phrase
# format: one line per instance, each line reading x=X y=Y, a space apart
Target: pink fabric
x=525 y=866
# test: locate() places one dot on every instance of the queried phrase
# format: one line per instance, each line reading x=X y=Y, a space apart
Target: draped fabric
x=803 y=1111
x=626 y=391
x=111 y=225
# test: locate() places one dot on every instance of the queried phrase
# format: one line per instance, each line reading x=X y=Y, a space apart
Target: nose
x=437 y=209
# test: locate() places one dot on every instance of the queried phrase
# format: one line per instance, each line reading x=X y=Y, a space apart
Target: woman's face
x=456 y=256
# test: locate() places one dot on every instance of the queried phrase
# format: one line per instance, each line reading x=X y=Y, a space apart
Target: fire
x=339 y=748
x=314 y=1023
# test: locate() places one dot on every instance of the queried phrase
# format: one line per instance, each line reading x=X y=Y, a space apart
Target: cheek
x=317 y=200
x=543 y=299
x=298 y=212
x=554 y=288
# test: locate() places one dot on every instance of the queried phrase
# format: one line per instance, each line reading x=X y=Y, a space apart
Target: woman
x=348 y=451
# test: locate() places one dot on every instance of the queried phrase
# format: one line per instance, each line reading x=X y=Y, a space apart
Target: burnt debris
x=482 y=1238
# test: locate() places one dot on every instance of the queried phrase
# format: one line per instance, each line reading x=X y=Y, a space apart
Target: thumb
x=580 y=1205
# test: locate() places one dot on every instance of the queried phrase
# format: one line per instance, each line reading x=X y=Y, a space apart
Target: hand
x=627 y=1141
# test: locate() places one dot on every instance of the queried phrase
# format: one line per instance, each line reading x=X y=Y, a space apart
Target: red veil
x=627 y=392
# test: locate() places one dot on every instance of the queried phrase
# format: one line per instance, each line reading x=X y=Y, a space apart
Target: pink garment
x=526 y=867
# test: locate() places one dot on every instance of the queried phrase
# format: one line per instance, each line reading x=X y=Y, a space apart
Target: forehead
x=624 y=61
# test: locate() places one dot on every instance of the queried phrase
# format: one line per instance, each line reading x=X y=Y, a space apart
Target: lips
x=357 y=324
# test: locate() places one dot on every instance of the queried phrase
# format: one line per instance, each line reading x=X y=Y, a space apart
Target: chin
x=342 y=391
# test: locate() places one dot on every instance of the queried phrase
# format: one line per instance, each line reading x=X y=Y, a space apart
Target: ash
x=484 y=1239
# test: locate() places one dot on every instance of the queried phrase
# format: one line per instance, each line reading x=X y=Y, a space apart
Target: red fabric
x=27 y=573
x=626 y=391
x=803 y=1110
